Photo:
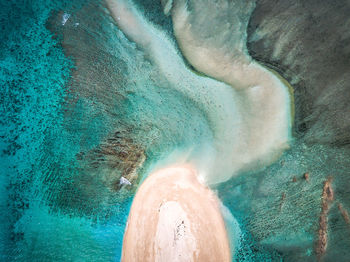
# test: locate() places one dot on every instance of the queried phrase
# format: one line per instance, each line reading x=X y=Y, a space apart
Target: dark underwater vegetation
x=87 y=112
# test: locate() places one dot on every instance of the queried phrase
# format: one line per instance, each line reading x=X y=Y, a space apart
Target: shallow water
x=38 y=151
x=75 y=92
x=86 y=105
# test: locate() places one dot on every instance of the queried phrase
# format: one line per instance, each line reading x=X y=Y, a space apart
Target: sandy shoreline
x=175 y=218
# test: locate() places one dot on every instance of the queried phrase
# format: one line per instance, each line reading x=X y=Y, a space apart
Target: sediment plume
x=246 y=105
x=211 y=36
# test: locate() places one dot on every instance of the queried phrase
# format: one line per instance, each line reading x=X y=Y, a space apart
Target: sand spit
x=175 y=218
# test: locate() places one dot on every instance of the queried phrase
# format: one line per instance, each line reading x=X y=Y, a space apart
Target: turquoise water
x=83 y=105
x=67 y=90
x=37 y=150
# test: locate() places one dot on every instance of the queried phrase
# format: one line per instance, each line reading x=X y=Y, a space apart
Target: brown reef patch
x=327 y=199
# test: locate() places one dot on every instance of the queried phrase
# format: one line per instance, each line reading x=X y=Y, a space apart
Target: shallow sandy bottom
x=175 y=218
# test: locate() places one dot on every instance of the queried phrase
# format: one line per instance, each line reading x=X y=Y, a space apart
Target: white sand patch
x=174 y=238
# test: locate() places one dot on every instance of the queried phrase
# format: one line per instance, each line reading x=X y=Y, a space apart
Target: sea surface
x=87 y=113
x=74 y=88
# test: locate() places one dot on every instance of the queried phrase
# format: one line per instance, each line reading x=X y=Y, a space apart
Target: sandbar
x=175 y=218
